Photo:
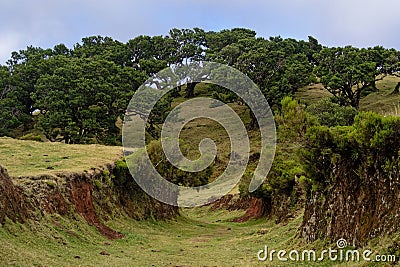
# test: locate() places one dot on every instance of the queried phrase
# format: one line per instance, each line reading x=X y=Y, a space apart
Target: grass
x=31 y=158
x=199 y=237
x=382 y=101
x=312 y=93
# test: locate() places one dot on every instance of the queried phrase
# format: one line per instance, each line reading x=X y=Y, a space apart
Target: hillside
x=382 y=101
x=88 y=183
x=71 y=235
x=77 y=204
x=30 y=158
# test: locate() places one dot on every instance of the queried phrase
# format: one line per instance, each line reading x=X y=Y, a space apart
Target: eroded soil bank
x=97 y=196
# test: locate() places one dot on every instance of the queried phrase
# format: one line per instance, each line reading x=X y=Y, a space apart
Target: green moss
x=121 y=172
x=97 y=184
x=52 y=184
x=107 y=177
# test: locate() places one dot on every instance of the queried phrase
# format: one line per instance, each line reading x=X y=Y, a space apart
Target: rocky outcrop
x=96 y=195
x=356 y=206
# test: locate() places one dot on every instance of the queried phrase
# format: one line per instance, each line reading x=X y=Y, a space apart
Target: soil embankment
x=96 y=196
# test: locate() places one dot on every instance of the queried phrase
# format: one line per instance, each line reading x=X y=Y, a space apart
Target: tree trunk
x=396 y=90
x=373 y=86
x=175 y=91
x=356 y=99
x=190 y=89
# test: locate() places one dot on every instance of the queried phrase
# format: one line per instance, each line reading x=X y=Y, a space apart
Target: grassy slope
x=381 y=101
x=198 y=129
x=197 y=238
x=30 y=158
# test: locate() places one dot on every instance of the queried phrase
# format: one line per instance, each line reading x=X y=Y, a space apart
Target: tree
x=226 y=40
x=103 y=47
x=391 y=66
x=24 y=69
x=82 y=100
x=310 y=48
x=189 y=45
x=346 y=72
x=12 y=109
x=276 y=68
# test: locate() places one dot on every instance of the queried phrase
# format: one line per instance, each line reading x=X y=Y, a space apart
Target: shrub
x=370 y=145
x=173 y=174
x=332 y=114
x=292 y=121
x=32 y=137
x=122 y=174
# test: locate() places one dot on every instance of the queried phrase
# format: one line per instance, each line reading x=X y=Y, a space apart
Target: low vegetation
x=336 y=110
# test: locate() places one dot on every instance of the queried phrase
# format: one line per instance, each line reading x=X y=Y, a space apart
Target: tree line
x=76 y=95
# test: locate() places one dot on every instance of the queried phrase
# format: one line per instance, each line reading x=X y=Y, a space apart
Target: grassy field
x=382 y=101
x=312 y=93
x=30 y=158
x=199 y=237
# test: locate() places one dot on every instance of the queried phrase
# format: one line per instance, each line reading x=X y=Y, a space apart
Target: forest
x=77 y=95
x=336 y=160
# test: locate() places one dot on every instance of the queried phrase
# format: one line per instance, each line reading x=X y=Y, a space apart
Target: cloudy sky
x=335 y=23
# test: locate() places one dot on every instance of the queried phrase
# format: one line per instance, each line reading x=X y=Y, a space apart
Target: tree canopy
x=348 y=71
x=78 y=95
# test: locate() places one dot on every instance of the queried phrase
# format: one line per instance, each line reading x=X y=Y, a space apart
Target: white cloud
x=362 y=23
x=9 y=42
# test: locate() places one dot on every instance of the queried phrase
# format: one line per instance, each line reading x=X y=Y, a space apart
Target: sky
x=44 y=23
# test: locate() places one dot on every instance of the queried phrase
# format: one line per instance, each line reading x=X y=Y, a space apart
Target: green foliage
x=349 y=72
x=13 y=111
x=283 y=172
x=317 y=154
x=227 y=45
x=122 y=175
x=31 y=136
x=163 y=166
x=370 y=145
x=81 y=101
x=158 y=115
x=81 y=93
x=331 y=114
x=276 y=67
x=97 y=184
x=292 y=122
x=107 y=176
